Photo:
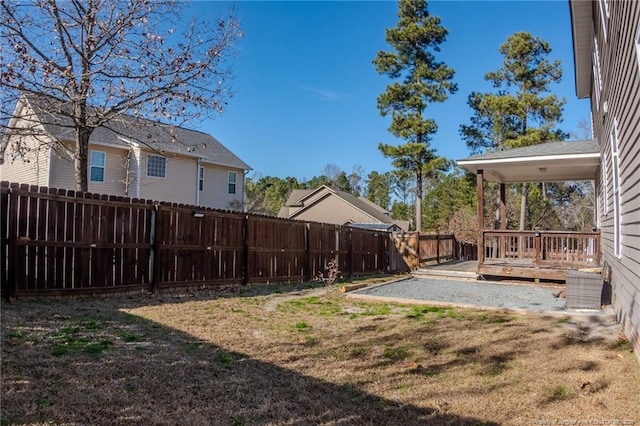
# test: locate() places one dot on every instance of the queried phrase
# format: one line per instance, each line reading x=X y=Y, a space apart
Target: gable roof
x=546 y=162
x=297 y=196
x=126 y=130
x=306 y=198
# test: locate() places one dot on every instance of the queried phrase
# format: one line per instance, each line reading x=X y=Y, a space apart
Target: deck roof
x=548 y=162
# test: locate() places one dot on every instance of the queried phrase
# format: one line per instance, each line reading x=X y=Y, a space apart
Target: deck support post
x=503 y=207
x=502 y=247
x=480 y=195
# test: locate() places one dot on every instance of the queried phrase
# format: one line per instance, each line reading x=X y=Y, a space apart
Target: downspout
x=244 y=180
x=198 y=165
x=49 y=173
x=136 y=186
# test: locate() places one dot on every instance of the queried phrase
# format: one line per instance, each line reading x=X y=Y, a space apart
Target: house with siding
x=606 y=44
x=128 y=156
x=328 y=205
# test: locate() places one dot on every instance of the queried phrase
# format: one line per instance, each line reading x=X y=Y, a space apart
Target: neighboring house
x=328 y=205
x=127 y=157
x=606 y=43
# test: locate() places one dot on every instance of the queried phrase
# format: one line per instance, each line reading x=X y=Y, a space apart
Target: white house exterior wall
x=216 y=188
x=63 y=172
x=32 y=169
x=178 y=185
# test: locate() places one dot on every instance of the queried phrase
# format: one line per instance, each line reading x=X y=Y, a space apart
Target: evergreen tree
x=400 y=211
x=422 y=80
x=343 y=183
x=266 y=195
x=379 y=189
x=450 y=193
x=521 y=112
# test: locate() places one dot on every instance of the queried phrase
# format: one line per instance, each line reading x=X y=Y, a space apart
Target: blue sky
x=305 y=88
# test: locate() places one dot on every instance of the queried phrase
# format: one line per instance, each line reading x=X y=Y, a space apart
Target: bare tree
x=93 y=61
x=356 y=179
x=332 y=172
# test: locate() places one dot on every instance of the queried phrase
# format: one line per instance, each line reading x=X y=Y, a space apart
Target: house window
x=232 y=182
x=604 y=14
x=96 y=170
x=156 y=166
x=617 y=231
x=200 y=178
x=597 y=76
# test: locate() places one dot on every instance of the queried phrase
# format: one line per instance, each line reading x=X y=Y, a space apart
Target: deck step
x=425 y=272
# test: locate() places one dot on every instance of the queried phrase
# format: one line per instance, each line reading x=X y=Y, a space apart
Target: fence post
x=306 y=276
x=455 y=248
x=155 y=247
x=350 y=254
x=245 y=250
x=418 y=249
x=11 y=247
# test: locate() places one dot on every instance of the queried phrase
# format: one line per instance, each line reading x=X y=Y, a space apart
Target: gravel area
x=471 y=293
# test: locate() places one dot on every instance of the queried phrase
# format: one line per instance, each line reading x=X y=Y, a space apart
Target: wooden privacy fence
x=423 y=248
x=65 y=242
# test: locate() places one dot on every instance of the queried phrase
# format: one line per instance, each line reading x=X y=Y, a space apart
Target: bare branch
x=100 y=60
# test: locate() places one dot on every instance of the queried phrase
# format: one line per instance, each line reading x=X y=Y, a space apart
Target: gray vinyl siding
x=621 y=91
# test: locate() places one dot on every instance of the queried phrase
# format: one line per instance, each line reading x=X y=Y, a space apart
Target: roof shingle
x=126 y=129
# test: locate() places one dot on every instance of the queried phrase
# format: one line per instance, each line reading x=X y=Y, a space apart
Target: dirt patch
x=306 y=356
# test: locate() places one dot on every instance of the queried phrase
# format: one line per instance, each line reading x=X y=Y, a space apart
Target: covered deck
x=534 y=254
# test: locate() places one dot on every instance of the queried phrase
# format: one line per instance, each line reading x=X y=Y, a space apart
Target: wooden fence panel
x=422 y=249
x=276 y=250
x=4 y=237
x=368 y=252
x=196 y=250
x=68 y=245
x=65 y=242
x=436 y=247
x=324 y=245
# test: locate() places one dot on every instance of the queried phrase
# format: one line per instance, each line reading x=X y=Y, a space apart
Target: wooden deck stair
x=465 y=270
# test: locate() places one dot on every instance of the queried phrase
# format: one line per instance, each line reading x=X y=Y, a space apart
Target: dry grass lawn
x=305 y=357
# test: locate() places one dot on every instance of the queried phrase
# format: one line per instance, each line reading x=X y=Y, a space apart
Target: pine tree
x=521 y=112
x=420 y=80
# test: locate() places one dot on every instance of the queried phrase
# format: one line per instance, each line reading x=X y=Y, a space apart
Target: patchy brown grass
x=305 y=356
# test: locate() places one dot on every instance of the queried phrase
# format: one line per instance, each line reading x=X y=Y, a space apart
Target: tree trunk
x=419 y=201
x=80 y=159
x=523 y=206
